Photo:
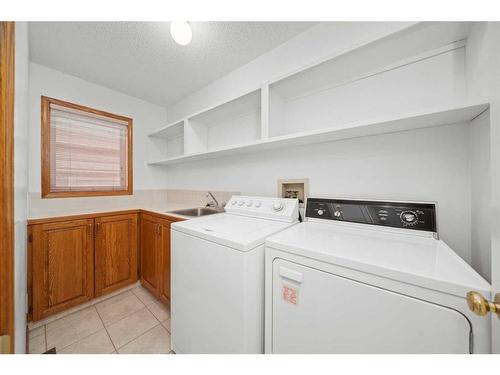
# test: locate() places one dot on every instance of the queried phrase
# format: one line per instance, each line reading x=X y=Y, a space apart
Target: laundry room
x=249 y=186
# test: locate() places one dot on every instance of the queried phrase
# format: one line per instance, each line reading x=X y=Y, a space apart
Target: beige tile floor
x=132 y=322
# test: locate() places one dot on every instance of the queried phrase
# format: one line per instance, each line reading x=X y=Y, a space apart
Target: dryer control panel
x=416 y=216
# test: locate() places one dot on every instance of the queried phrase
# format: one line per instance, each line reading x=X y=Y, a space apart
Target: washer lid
x=239 y=232
x=416 y=260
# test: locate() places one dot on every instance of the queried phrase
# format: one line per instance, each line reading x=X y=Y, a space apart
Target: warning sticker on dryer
x=290 y=294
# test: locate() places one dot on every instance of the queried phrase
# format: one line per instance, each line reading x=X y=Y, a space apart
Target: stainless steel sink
x=197 y=212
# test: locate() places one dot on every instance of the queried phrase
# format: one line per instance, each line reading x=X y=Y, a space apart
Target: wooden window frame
x=45 y=158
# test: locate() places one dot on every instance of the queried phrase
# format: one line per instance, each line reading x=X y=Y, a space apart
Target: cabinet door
x=150 y=229
x=115 y=252
x=165 y=262
x=63 y=266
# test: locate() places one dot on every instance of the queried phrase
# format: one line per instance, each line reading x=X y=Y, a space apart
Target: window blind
x=88 y=152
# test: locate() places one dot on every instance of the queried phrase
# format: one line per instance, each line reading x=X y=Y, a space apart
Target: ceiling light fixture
x=181 y=32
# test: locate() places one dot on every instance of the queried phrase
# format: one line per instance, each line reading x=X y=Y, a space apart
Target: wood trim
x=80 y=107
x=164 y=255
x=30 y=273
x=45 y=154
x=80 y=216
x=7 y=41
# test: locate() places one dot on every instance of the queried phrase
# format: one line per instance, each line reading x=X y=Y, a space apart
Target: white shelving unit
x=341 y=91
x=230 y=123
x=170 y=139
x=233 y=122
x=443 y=116
x=422 y=68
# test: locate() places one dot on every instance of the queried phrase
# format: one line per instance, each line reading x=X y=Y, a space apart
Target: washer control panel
x=281 y=209
x=417 y=216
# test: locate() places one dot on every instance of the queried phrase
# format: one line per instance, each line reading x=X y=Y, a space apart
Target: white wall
x=423 y=165
x=147 y=117
x=20 y=183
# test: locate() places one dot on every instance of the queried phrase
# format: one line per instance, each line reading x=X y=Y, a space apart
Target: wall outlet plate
x=294 y=188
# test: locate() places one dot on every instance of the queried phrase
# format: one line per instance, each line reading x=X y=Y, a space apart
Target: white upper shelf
x=223 y=112
x=443 y=116
x=373 y=57
x=169 y=131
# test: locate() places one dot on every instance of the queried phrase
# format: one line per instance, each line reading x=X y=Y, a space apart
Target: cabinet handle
x=158 y=229
x=97 y=227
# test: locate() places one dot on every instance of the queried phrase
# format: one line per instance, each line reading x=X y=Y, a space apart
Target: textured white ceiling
x=142 y=60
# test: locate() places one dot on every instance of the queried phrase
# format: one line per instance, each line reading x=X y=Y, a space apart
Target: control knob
x=409 y=217
x=336 y=213
x=249 y=204
x=277 y=206
x=257 y=204
x=320 y=212
x=241 y=203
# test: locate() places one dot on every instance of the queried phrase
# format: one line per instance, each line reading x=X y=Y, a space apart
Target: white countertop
x=162 y=209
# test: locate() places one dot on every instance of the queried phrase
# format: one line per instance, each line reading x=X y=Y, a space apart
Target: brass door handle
x=481 y=306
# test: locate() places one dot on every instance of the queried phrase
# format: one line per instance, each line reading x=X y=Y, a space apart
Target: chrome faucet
x=214 y=202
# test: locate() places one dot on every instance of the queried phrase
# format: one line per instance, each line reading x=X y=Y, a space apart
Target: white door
x=318 y=312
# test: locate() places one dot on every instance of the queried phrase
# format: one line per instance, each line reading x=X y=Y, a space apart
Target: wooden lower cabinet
x=164 y=291
x=150 y=253
x=72 y=261
x=115 y=252
x=63 y=266
x=155 y=255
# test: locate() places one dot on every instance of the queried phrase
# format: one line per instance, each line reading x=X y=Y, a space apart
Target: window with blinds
x=85 y=151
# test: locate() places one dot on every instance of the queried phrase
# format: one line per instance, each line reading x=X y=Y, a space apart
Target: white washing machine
x=369 y=277
x=217 y=275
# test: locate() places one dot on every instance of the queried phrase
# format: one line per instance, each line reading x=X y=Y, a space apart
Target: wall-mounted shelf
x=233 y=122
x=169 y=140
x=411 y=79
x=443 y=116
x=225 y=125
x=345 y=94
x=173 y=130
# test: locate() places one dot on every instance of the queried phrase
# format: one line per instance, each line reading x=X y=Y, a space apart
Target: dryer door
x=318 y=312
